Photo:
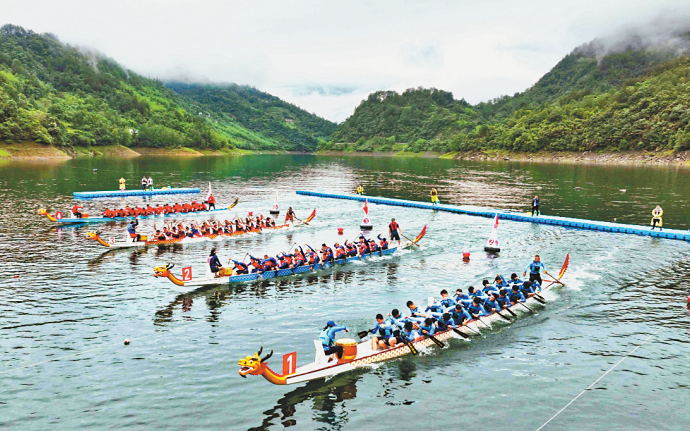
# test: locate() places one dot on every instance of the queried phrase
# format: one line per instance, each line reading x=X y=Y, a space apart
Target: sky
x=327 y=56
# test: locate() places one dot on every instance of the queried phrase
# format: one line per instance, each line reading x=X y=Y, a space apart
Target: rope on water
x=597 y=380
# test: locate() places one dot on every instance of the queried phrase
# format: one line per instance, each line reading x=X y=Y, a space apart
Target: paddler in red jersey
x=290 y=216
x=195 y=206
x=109 y=213
x=393 y=229
x=75 y=211
x=211 y=201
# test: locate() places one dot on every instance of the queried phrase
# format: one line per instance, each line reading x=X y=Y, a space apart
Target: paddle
x=408 y=343
x=511 y=312
x=301 y=220
x=473 y=330
x=505 y=317
x=403 y=235
x=363 y=334
x=488 y=325
x=555 y=280
x=460 y=333
x=537 y=298
x=526 y=306
x=435 y=340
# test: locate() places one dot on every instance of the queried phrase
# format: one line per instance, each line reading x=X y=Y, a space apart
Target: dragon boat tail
x=210 y=280
x=359 y=355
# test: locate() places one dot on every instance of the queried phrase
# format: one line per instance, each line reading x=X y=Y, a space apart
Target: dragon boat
x=359 y=355
x=58 y=217
x=145 y=242
x=210 y=280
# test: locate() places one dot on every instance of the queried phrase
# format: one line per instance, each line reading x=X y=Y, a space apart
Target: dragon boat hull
x=324 y=367
x=74 y=220
x=188 y=241
x=212 y=281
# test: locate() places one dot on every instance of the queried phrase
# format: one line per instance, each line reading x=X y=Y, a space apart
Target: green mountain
x=634 y=97
x=55 y=94
x=230 y=105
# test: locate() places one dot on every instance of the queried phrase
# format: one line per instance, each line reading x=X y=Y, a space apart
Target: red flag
x=565 y=266
x=366 y=207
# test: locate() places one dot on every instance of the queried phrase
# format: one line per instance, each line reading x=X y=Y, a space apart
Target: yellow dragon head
x=163 y=271
x=42 y=211
x=91 y=235
x=254 y=364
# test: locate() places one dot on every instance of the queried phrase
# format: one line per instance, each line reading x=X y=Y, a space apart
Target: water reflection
x=327 y=397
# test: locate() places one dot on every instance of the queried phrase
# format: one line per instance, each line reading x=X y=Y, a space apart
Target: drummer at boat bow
x=535 y=269
x=132 y=230
x=327 y=338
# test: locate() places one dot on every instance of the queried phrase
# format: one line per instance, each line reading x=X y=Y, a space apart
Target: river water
x=67 y=305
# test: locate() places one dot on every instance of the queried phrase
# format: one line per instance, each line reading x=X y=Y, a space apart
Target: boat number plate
x=289 y=363
x=187 y=273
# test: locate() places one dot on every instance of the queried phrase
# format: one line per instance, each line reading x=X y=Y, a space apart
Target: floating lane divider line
x=133 y=192
x=602 y=226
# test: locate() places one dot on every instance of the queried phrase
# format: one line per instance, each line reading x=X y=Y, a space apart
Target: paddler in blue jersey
x=282 y=261
x=351 y=249
x=385 y=338
x=487 y=287
x=514 y=279
x=503 y=299
x=298 y=258
x=515 y=296
x=327 y=338
x=527 y=289
x=396 y=318
x=414 y=310
x=214 y=263
x=132 y=230
x=409 y=333
x=445 y=322
x=434 y=307
x=460 y=315
x=459 y=296
x=268 y=263
x=476 y=309
x=447 y=302
x=491 y=304
x=535 y=269
x=428 y=328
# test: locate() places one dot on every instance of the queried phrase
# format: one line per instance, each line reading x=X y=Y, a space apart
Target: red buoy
x=251 y=214
x=465 y=255
x=340 y=231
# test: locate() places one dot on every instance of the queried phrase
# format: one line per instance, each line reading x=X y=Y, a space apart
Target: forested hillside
x=55 y=94
x=635 y=98
x=289 y=126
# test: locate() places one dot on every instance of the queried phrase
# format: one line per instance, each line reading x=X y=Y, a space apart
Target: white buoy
x=492 y=244
x=366 y=223
x=274 y=208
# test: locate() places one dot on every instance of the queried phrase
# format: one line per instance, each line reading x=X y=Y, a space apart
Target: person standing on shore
x=149 y=184
x=360 y=190
x=144 y=183
x=656 y=217
x=535 y=206
x=434 y=196
x=122 y=184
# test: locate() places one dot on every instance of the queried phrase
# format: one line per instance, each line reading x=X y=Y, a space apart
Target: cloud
x=327 y=56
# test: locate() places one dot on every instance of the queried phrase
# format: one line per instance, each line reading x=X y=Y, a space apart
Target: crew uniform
x=534 y=269
x=393 y=229
x=327 y=338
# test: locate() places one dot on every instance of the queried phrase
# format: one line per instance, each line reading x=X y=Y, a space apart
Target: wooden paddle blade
x=362 y=334
x=541 y=301
x=503 y=316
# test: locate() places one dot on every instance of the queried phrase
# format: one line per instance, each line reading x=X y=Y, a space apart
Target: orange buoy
x=340 y=231
x=465 y=255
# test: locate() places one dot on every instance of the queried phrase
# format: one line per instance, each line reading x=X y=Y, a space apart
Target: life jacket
x=373 y=247
x=176 y=208
x=326 y=341
x=202 y=207
x=384 y=244
x=362 y=248
x=393 y=226
x=75 y=209
x=312 y=257
x=108 y=213
x=255 y=263
x=288 y=259
x=211 y=200
x=195 y=206
x=241 y=266
x=340 y=252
